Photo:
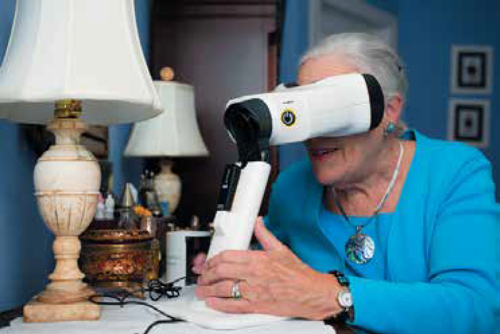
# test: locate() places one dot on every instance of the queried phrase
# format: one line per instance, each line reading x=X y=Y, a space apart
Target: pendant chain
x=384 y=198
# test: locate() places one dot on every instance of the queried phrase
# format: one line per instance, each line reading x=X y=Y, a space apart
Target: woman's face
x=341 y=160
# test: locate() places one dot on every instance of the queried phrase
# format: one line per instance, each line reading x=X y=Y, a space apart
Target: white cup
x=176 y=254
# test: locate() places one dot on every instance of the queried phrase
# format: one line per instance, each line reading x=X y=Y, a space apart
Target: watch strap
x=347 y=314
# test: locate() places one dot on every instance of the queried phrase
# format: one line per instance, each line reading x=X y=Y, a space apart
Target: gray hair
x=370 y=55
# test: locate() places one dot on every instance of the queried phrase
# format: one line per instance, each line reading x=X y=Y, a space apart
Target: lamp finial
x=167 y=73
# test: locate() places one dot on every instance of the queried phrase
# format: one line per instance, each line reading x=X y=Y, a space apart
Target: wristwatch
x=344 y=298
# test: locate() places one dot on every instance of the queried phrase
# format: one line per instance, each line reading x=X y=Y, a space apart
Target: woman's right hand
x=199 y=263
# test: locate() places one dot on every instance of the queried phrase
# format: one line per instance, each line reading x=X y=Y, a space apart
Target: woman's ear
x=394 y=108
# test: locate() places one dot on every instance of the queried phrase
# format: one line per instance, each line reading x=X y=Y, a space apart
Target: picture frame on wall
x=469 y=121
x=471 y=69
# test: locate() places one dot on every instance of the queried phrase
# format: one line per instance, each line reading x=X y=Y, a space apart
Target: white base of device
x=190 y=309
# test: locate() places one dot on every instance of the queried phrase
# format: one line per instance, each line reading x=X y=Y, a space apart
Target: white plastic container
x=177 y=258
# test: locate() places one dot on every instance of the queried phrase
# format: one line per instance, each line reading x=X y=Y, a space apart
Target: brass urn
x=118 y=258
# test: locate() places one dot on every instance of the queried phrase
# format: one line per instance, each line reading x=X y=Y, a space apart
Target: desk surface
x=114 y=321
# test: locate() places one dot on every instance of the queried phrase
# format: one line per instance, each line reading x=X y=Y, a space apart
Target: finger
x=267 y=240
x=198 y=270
x=229 y=305
x=223 y=271
x=222 y=289
x=199 y=263
x=200 y=259
x=230 y=256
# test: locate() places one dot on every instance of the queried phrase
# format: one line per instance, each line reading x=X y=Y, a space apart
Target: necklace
x=360 y=248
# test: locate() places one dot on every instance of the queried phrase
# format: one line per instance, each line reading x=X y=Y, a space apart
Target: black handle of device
x=228 y=187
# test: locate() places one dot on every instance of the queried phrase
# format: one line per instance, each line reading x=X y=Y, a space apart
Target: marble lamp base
x=67 y=179
x=36 y=311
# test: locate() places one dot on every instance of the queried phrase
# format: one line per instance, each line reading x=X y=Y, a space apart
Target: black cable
x=156 y=289
x=158 y=322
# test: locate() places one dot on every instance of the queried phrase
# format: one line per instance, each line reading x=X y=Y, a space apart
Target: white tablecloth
x=133 y=319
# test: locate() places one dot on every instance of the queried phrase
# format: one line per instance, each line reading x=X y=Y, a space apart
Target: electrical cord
x=158 y=322
x=156 y=290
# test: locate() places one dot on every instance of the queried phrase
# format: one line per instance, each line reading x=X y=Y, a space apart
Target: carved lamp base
x=67 y=179
x=36 y=311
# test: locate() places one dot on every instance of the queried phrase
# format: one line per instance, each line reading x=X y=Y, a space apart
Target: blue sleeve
x=460 y=293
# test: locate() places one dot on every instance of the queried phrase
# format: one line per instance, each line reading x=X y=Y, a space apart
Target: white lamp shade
x=175 y=132
x=86 y=50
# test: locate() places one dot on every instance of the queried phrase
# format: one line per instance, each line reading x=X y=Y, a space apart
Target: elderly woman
x=390 y=231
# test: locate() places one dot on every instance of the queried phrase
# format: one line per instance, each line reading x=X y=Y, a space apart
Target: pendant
x=360 y=248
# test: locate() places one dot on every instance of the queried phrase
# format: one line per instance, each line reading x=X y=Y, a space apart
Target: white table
x=132 y=319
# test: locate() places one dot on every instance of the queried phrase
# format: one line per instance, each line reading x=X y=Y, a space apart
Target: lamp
x=174 y=133
x=71 y=62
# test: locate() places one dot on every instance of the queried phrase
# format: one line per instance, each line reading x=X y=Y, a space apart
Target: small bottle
x=100 y=211
x=109 y=204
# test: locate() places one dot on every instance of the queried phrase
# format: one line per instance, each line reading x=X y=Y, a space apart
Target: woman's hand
x=199 y=263
x=272 y=281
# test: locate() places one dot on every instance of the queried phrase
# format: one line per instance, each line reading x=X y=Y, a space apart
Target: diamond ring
x=235 y=291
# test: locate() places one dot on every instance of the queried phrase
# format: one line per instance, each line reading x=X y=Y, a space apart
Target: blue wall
x=426 y=32
x=25 y=243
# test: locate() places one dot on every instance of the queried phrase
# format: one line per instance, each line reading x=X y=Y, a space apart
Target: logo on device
x=288 y=117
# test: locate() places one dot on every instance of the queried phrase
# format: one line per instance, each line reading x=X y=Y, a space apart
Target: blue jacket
x=440 y=248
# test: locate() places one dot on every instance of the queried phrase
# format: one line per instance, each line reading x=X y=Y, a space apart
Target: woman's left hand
x=272 y=281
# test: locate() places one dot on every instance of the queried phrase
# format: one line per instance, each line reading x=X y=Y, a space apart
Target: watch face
x=345 y=299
